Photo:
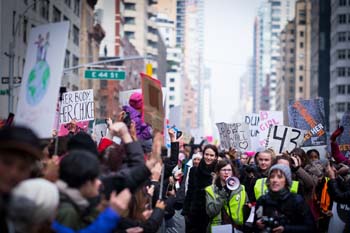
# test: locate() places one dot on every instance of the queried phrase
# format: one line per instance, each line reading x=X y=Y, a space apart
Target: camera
x=271 y=223
x=127 y=119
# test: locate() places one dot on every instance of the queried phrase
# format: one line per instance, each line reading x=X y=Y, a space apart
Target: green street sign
x=105 y=74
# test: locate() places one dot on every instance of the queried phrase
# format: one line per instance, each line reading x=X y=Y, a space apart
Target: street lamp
x=11 y=56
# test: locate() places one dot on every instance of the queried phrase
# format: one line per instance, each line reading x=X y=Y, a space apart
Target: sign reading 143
x=105 y=74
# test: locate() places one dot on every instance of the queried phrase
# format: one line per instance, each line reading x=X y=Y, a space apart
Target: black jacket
x=339 y=194
x=289 y=209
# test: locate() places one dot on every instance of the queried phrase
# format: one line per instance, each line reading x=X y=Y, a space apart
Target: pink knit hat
x=136 y=100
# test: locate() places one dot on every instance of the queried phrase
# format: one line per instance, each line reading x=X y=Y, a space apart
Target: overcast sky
x=228 y=48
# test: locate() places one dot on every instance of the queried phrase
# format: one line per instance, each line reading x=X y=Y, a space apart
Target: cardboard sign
x=309 y=115
x=234 y=135
x=153 y=110
x=344 y=138
x=267 y=118
x=283 y=138
x=77 y=105
x=42 y=77
x=252 y=120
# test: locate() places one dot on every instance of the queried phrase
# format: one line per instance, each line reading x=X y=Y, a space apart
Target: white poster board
x=252 y=120
x=283 y=138
x=42 y=77
x=77 y=105
x=267 y=118
x=234 y=135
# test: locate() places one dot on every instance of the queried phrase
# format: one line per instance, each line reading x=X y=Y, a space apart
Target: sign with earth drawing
x=41 y=77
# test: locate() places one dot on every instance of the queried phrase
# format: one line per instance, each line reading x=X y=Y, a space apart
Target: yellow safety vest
x=260 y=187
x=236 y=205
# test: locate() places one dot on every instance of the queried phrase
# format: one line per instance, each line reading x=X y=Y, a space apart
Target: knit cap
x=286 y=171
x=136 y=100
x=33 y=201
x=197 y=155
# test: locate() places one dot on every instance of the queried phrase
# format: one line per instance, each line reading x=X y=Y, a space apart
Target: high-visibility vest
x=260 y=187
x=234 y=209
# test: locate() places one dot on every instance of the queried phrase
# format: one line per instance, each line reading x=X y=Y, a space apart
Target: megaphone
x=232 y=183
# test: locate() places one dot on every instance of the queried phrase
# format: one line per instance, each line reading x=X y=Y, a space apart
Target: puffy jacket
x=143 y=130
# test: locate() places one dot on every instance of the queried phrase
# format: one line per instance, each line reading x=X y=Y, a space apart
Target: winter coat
x=132 y=174
x=143 y=130
x=339 y=194
x=106 y=222
x=290 y=210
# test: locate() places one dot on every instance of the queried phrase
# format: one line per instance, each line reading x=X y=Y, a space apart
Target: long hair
x=213 y=147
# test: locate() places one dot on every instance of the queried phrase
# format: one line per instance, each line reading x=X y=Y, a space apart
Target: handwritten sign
x=77 y=105
x=234 y=135
x=309 y=115
x=283 y=138
x=344 y=138
x=267 y=118
x=252 y=120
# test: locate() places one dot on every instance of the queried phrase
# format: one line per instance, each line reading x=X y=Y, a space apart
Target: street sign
x=105 y=74
x=16 y=80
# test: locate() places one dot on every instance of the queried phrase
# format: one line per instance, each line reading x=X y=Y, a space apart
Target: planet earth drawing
x=38 y=81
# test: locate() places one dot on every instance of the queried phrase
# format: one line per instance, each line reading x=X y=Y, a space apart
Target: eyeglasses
x=226 y=170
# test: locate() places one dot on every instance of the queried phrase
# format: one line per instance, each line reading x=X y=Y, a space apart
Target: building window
x=341 y=71
x=129 y=35
x=348 y=71
x=76 y=35
x=56 y=15
x=301 y=78
x=276 y=19
x=341 y=54
x=348 y=107
x=348 y=89
x=66 y=59
x=342 y=18
x=276 y=3
x=292 y=50
x=65 y=18
x=342 y=2
x=68 y=3
x=341 y=89
x=172 y=88
x=172 y=80
x=301 y=67
x=129 y=20
x=341 y=36
x=300 y=89
x=171 y=106
x=301 y=33
x=130 y=6
x=291 y=70
x=292 y=31
x=275 y=26
x=77 y=7
x=45 y=9
x=103 y=84
x=171 y=97
x=25 y=26
x=75 y=63
x=301 y=45
x=340 y=107
x=349 y=54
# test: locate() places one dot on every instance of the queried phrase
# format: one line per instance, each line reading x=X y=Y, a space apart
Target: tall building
x=17 y=19
x=340 y=61
x=180 y=22
x=91 y=34
x=320 y=49
x=271 y=18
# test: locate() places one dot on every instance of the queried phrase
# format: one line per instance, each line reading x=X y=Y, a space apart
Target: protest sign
x=340 y=216
x=42 y=77
x=81 y=126
x=234 y=135
x=99 y=129
x=252 y=120
x=344 y=138
x=78 y=105
x=267 y=118
x=283 y=138
x=153 y=110
x=309 y=115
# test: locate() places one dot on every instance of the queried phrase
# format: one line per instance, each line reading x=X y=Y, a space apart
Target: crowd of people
x=135 y=185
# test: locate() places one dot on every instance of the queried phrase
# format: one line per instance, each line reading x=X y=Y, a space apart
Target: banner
x=267 y=118
x=78 y=105
x=344 y=138
x=309 y=115
x=153 y=111
x=283 y=138
x=42 y=77
x=234 y=135
x=252 y=120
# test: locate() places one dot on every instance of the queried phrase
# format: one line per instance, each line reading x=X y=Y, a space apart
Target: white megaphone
x=232 y=183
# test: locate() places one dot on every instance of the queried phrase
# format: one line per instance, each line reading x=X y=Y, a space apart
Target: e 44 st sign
x=105 y=74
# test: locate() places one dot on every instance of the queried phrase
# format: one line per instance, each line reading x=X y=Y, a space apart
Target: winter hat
x=136 y=100
x=197 y=155
x=82 y=141
x=250 y=153
x=286 y=171
x=21 y=139
x=33 y=201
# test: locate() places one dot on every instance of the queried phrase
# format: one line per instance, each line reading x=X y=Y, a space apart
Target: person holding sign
x=280 y=210
x=225 y=202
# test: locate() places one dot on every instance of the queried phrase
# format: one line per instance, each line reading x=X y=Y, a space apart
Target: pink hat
x=250 y=153
x=136 y=100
